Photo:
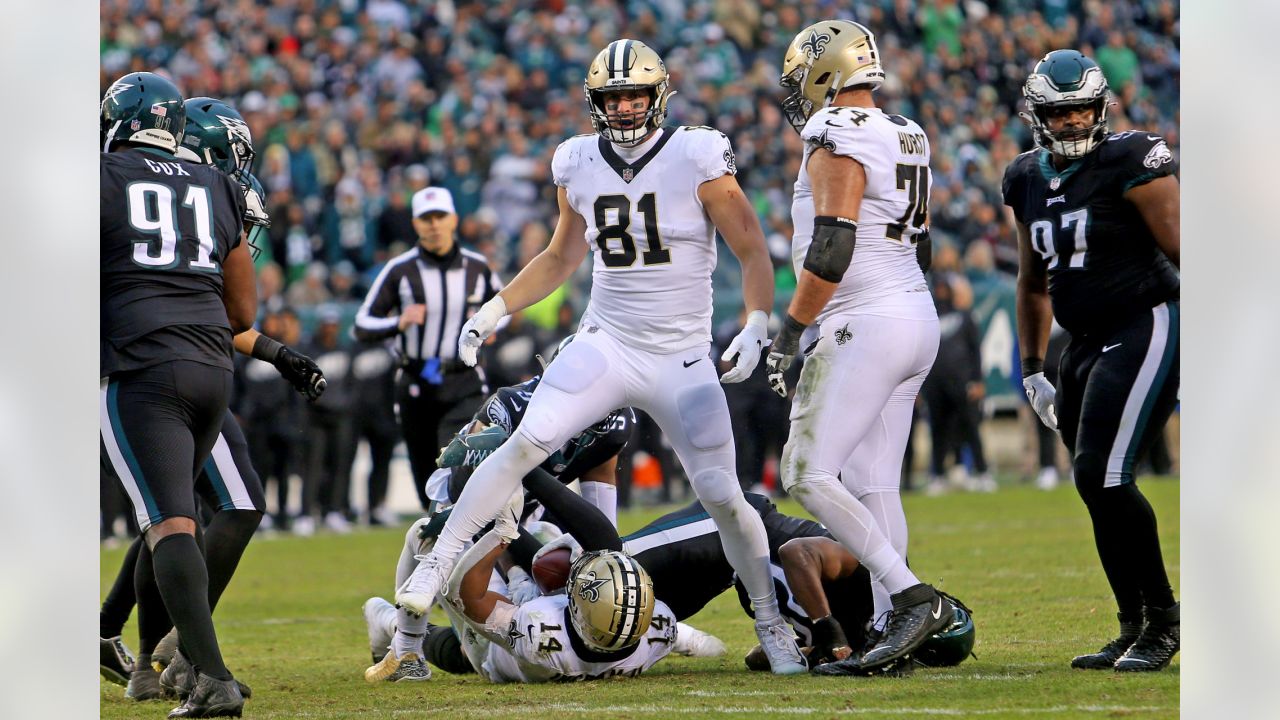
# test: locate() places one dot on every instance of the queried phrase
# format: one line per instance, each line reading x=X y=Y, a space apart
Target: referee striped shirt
x=451 y=287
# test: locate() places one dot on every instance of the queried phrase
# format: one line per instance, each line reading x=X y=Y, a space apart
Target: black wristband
x=794 y=325
x=1031 y=366
x=266 y=349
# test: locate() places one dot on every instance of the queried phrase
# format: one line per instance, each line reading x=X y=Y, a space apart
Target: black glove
x=301 y=372
x=829 y=643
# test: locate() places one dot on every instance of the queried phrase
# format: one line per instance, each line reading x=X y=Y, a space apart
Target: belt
x=415 y=367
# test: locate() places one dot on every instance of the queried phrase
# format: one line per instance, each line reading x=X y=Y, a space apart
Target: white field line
x=541 y=709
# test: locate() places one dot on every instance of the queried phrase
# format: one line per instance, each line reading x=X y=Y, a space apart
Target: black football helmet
x=216 y=134
x=142 y=108
x=1066 y=79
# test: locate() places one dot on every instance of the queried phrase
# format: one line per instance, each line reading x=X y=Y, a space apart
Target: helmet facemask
x=1043 y=97
x=630 y=128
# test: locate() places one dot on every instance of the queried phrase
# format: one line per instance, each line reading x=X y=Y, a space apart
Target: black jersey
x=586 y=450
x=1103 y=263
x=166 y=227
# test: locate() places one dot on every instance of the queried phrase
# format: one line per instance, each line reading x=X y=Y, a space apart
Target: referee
x=422 y=298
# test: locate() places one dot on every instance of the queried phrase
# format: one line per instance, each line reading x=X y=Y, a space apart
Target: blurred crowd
x=356 y=104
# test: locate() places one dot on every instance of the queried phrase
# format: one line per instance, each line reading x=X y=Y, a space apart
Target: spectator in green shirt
x=1118 y=61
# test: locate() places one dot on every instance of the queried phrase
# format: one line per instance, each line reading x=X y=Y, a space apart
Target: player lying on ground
x=228 y=485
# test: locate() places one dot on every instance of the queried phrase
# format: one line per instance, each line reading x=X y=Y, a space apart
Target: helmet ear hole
x=822 y=79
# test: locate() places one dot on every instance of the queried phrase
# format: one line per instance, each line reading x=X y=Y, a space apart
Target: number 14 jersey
x=654 y=244
x=894 y=153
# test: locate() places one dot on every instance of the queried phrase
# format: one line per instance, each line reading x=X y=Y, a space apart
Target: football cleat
x=851 y=667
x=692 y=642
x=1105 y=659
x=918 y=612
x=115 y=662
x=165 y=650
x=1156 y=645
x=211 y=698
x=408 y=667
x=179 y=677
x=418 y=593
x=144 y=684
x=779 y=644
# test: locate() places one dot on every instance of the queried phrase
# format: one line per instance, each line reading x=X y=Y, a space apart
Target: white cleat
x=1047 y=479
x=418 y=593
x=779 y=644
x=692 y=642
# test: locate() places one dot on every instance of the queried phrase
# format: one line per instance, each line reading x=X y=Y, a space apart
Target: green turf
x=291 y=627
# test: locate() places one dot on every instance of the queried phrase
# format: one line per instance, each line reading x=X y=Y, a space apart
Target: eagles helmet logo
x=1159 y=155
x=589 y=586
x=236 y=128
x=115 y=90
x=815 y=44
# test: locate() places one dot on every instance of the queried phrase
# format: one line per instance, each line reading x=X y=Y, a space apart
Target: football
x=551 y=571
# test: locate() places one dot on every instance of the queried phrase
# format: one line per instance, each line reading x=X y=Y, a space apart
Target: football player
x=647 y=200
x=860 y=214
x=591 y=457
x=1097 y=220
x=177 y=283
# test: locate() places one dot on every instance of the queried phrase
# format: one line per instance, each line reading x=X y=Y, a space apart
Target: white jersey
x=531 y=643
x=894 y=152
x=653 y=243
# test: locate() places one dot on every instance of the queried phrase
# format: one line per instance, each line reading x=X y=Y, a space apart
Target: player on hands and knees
x=177 y=284
x=648 y=200
x=860 y=213
x=1097 y=221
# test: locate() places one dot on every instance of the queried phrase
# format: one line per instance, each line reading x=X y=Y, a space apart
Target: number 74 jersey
x=653 y=243
x=894 y=153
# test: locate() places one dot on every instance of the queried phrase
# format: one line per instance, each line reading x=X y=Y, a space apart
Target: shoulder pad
x=709 y=149
x=568 y=157
x=1137 y=157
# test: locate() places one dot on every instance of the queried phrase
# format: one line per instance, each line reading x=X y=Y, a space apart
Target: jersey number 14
x=1075 y=222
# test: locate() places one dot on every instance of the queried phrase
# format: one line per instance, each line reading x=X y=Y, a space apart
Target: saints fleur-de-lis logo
x=815 y=44
x=822 y=140
x=843 y=335
x=589 y=587
x=513 y=634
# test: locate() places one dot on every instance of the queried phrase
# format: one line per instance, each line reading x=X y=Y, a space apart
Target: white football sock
x=886 y=508
x=604 y=496
x=409 y=632
x=743 y=537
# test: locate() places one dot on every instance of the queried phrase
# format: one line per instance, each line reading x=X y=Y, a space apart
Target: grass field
x=291 y=627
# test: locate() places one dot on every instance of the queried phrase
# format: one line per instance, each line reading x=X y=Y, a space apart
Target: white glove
x=747 y=346
x=520 y=587
x=564 y=541
x=1041 y=393
x=479 y=328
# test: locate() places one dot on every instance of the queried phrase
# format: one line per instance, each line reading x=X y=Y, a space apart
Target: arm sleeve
x=712 y=154
x=580 y=518
x=1143 y=158
x=374 y=319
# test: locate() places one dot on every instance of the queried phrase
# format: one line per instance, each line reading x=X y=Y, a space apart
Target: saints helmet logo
x=815 y=44
x=589 y=587
x=843 y=335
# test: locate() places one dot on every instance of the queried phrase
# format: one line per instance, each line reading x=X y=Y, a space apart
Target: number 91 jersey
x=1102 y=260
x=653 y=243
x=894 y=153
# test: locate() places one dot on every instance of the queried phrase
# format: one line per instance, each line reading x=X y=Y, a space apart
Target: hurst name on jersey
x=894 y=152
x=533 y=643
x=653 y=243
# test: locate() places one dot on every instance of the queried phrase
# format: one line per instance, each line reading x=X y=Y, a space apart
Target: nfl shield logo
x=1054 y=183
x=135 y=125
x=627 y=174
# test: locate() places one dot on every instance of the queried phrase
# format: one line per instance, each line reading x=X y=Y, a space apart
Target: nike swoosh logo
x=832 y=124
x=938 y=612
x=688 y=363
x=1106 y=348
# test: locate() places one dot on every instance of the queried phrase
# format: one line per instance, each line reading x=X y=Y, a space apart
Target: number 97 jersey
x=894 y=153
x=653 y=243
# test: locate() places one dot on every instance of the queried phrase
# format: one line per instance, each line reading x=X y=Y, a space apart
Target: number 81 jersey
x=653 y=243
x=894 y=153
x=1102 y=261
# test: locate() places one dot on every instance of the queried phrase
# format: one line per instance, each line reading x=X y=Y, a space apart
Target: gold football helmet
x=610 y=600
x=627 y=65
x=824 y=59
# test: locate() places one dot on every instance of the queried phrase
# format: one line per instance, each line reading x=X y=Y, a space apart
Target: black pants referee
x=422 y=298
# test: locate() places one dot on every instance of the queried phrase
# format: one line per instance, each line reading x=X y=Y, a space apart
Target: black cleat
x=211 y=698
x=115 y=662
x=1105 y=659
x=918 y=612
x=852 y=667
x=179 y=677
x=1158 y=643
x=144 y=684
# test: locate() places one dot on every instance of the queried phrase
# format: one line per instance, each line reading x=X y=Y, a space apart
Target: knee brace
x=716 y=487
x=704 y=416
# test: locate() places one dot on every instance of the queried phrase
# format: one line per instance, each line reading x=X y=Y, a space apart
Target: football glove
x=747 y=346
x=301 y=372
x=478 y=328
x=1041 y=393
x=471 y=450
x=564 y=541
x=782 y=353
x=520 y=587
